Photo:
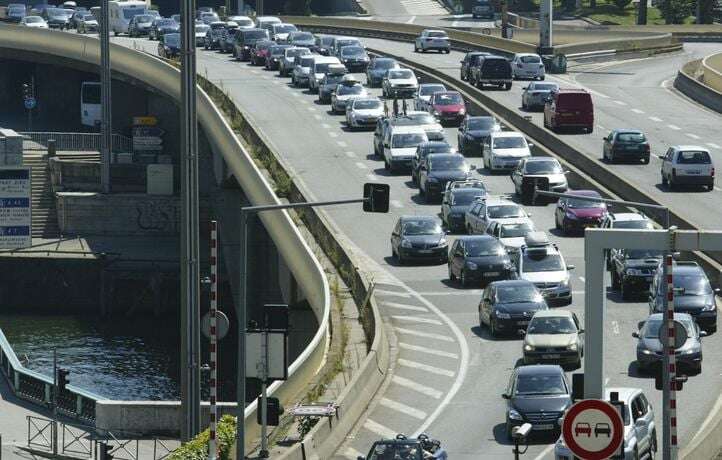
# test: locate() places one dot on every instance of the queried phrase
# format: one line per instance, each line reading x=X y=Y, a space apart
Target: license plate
x=522 y=323
x=694 y=172
x=491 y=274
x=425 y=251
x=552 y=356
x=546 y=426
x=438 y=42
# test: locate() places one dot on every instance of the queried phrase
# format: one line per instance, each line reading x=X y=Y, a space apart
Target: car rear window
x=694 y=158
x=436 y=34
x=574 y=100
x=254 y=34
x=307 y=61
x=631 y=137
x=509 y=143
x=491 y=65
x=401 y=73
x=448 y=99
x=530 y=59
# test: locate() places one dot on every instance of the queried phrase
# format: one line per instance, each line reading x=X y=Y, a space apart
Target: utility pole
x=642 y=13
x=669 y=371
x=545 y=26
x=259 y=8
x=190 y=263
x=106 y=138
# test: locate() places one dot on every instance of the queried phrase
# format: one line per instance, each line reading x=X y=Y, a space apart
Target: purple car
x=576 y=214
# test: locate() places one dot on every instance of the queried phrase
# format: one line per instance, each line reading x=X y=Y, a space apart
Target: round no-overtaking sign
x=593 y=429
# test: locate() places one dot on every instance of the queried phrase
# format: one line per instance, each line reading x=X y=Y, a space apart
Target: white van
x=121 y=12
x=265 y=22
x=90 y=112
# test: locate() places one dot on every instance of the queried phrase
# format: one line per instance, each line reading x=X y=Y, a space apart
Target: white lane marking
x=657 y=119
x=466 y=292
x=411 y=385
x=426 y=335
x=577 y=292
x=638 y=111
x=693 y=136
x=411 y=20
x=351 y=154
x=425 y=367
x=373 y=178
x=352 y=454
x=296 y=95
x=545 y=452
x=325 y=126
x=341 y=144
x=403 y=306
x=713 y=145
x=332 y=134
x=582 y=279
x=615 y=327
x=674 y=127
x=311 y=109
x=430 y=351
x=379 y=429
x=620 y=102
x=606 y=381
x=415 y=319
x=317 y=116
x=601 y=127
x=360 y=165
x=455 y=24
x=396 y=293
x=396 y=204
x=403 y=408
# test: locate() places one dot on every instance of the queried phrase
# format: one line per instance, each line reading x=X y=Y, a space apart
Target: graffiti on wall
x=158 y=216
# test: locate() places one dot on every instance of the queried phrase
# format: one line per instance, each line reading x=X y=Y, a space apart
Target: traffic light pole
x=264 y=395
x=669 y=371
x=106 y=123
x=54 y=424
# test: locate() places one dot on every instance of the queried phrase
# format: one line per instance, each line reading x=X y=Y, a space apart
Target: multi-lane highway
x=449 y=373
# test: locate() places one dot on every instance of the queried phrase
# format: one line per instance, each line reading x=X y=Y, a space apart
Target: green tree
x=622 y=4
x=676 y=11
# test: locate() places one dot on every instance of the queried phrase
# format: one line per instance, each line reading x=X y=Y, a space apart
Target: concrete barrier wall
x=712 y=71
x=165 y=78
x=687 y=82
x=603 y=42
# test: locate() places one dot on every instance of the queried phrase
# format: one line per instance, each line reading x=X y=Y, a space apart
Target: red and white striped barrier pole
x=672 y=361
x=212 y=444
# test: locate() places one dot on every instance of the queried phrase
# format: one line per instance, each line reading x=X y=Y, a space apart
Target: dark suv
x=633 y=270
x=479 y=260
x=246 y=40
x=492 y=70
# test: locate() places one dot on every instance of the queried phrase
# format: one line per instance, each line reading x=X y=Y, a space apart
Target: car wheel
x=463 y=280
x=387 y=166
x=400 y=259
x=624 y=290
x=451 y=274
x=664 y=180
x=492 y=328
x=507 y=86
x=645 y=160
x=616 y=282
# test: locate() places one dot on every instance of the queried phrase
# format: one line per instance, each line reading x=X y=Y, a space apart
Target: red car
x=261 y=51
x=569 y=108
x=448 y=107
x=576 y=214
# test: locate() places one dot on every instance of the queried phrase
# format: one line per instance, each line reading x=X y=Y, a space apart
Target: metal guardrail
x=78 y=142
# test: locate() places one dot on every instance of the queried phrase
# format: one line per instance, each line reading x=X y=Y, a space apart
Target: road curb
x=696 y=90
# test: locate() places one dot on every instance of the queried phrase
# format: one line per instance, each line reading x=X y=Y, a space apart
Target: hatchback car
x=214 y=35
x=275 y=54
x=538 y=395
x=527 y=65
x=302 y=39
x=476 y=260
x=261 y=51
x=328 y=84
x=288 y=61
x=162 y=26
x=246 y=40
x=140 y=25
x=473 y=131
x=541 y=262
x=399 y=146
x=448 y=107
x=576 y=214
x=569 y=108
x=280 y=32
x=693 y=294
x=625 y=145
x=504 y=150
x=512 y=234
x=439 y=168
x=508 y=306
x=422 y=150
x=536 y=94
x=400 y=83
x=543 y=173
x=419 y=238
x=301 y=74
x=34 y=22
x=169 y=46
x=363 y=112
x=423 y=95
x=377 y=69
x=687 y=165
x=492 y=209
x=554 y=337
x=87 y=23
x=429 y=40
x=650 y=351
x=455 y=203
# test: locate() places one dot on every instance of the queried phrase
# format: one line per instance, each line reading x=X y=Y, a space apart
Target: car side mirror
x=703 y=333
x=473 y=167
x=521 y=332
x=571 y=267
x=580 y=331
x=505 y=395
x=716 y=290
x=524 y=87
x=635 y=335
x=661 y=157
x=461 y=62
x=530 y=144
x=640 y=423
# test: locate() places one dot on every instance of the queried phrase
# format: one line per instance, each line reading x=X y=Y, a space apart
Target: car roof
x=403 y=129
x=368 y=98
x=535 y=369
x=659 y=316
x=553 y=313
x=434 y=30
x=572 y=90
x=507 y=134
x=526 y=54
x=478 y=237
x=627 y=216
x=493 y=200
x=689 y=147
x=511 y=283
x=433 y=156
x=589 y=193
x=517 y=220
x=435 y=144
x=626 y=131
x=419 y=217
x=688 y=268
x=540 y=159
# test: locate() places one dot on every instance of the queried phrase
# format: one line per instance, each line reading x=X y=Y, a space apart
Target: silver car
x=536 y=94
x=346 y=91
x=423 y=95
x=288 y=61
x=363 y=112
x=302 y=70
x=541 y=262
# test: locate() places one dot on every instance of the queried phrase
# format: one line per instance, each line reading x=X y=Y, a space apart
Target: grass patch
x=608 y=13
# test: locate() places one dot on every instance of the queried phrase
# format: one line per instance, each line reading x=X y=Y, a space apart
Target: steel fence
x=77 y=142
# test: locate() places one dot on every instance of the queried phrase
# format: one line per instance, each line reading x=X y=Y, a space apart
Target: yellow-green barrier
x=712 y=71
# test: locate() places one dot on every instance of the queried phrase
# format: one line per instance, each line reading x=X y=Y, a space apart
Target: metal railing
x=78 y=142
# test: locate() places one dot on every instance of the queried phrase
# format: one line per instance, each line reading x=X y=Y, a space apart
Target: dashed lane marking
x=341 y=144
x=466 y=292
x=325 y=126
x=656 y=119
x=379 y=429
x=403 y=408
x=601 y=127
x=638 y=111
x=411 y=20
x=333 y=134
x=582 y=279
x=430 y=351
x=403 y=306
x=317 y=116
x=620 y=102
x=396 y=204
x=415 y=319
x=373 y=178
x=419 y=388
x=352 y=454
x=615 y=327
x=674 y=127
x=693 y=136
x=311 y=109
x=426 y=335
x=713 y=145
x=351 y=154
x=425 y=367
x=360 y=165
x=405 y=295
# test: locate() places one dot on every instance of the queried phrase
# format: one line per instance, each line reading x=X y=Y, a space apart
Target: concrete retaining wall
x=712 y=71
x=687 y=82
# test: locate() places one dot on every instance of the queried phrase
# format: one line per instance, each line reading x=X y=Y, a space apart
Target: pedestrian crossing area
x=424 y=7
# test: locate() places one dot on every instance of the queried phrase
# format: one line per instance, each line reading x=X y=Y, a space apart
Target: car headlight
x=565 y=283
x=514 y=415
x=644 y=351
x=571 y=215
x=471 y=266
x=633 y=271
x=709 y=307
x=462 y=111
x=436 y=113
x=507 y=265
x=528 y=347
x=406 y=244
x=443 y=242
x=503 y=315
x=688 y=351
x=572 y=347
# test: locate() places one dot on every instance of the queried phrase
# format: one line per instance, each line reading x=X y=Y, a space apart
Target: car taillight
x=674 y=172
x=646 y=148
x=712 y=173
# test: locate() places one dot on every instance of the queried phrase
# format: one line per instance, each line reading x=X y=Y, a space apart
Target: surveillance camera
x=521 y=432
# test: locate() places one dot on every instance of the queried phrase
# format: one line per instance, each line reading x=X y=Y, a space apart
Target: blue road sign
x=30 y=103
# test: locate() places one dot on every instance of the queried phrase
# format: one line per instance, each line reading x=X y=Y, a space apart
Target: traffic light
x=105 y=449
x=27 y=91
x=63 y=379
x=376 y=197
x=274 y=409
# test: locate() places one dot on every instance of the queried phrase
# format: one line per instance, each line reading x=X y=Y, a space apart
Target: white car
x=536 y=94
x=301 y=74
x=363 y=112
x=346 y=91
x=541 y=262
x=431 y=125
x=432 y=40
x=423 y=95
x=511 y=233
x=539 y=167
x=279 y=32
x=555 y=330
x=687 y=165
x=400 y=83
x=503 y=150
x=35 y=22
x=243 y=22
x=400 y=145
x=527 y=65
x=487 y=210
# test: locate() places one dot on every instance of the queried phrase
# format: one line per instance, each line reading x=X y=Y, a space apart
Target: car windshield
x=552 y=325
x=643 y=253
x=166 y=22
x=689 y=285
x=56 y=13
x=171 y=39
x=202 y=28
x=509 y=142
x=385 y=64
x=131 y=13
x=277 y=50
x=423 y=118
x=293 y=52
x=393 y=451
x=694 y=158
x=216 y=25
x=401 y=73
x=366 y=105
x=448 y=99
x=284 y=29
x=541 y=384
x=421 y=227
x=436 y=148
x=243 y=22
x=302 y=36
x=636 y=138
x=33 y=19
x=543 y=87
x=407 y=140
x=344 y=90
x=475 y=59
x=483 y=247
x=540 y=261
x=543 y=167
x=530 y=59
x=638 y=224
x=480 y=123
x=352 y=51
x=333 y=79
x=505 y=211
x=457 y=163
x=515 y=230
x=349 y=42
x=144 y=18
x=307 y=61
x=428 y=90
x=464 y=197
x=322 y=67
x=584 y=204
x=516 y=293
x=255 y=34
x=651 y=328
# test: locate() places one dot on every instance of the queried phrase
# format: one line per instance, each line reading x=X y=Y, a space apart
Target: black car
x=424 y=149
x=376 y=70
x=625 y=145
x=162 y=26
x=492 y=70
x=439 y=168
x=633 y=270
x=470 y=60
x=419 y=238
x=650 y=352
x=275 y=53
x=169 y=46
x=328 y=85
x=246 y=40
x=454 y=205
x=354 y=58
x=140 y=25
x=473 y=131
x=538 y=394
x=507 y=306
x=479 y=260
x=57 y=18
